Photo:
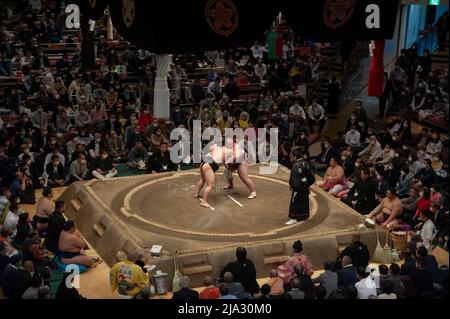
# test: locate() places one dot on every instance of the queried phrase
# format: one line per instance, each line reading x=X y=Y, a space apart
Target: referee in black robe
x=299 y=181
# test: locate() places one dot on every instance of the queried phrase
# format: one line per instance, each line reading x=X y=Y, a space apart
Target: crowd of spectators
x=384 y=171
x=349 y=277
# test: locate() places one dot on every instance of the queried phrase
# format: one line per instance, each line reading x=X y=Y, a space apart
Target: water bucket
x=399 y=240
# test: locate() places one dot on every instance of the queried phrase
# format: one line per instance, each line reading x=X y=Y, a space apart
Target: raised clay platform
x=133 y=213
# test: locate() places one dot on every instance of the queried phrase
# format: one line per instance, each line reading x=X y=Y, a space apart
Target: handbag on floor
x=176 y=276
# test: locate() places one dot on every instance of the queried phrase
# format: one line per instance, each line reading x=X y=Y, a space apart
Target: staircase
x=440 y=59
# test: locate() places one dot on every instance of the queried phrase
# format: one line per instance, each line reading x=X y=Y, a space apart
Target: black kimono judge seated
x=160 y=161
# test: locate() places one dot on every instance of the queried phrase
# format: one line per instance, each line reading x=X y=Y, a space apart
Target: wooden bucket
x=399 y=240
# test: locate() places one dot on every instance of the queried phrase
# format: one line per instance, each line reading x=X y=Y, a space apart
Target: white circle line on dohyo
x=259 y=145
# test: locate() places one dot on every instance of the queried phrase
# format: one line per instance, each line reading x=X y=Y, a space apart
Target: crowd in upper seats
x=73 y=124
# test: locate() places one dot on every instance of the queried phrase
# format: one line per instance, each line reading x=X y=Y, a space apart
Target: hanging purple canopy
x=168 y=26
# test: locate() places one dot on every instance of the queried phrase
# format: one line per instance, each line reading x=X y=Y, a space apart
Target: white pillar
x=161 y=98
x=110 y=30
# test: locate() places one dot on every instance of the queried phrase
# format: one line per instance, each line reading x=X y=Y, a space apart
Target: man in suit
x=185 y=293
x=426 y=175
x=322 y=161
x=55 y=226
x=55 y=172
x=96 y=145
x=160 y=161
x=362 y=195
x=291 y=128
x=347 y=275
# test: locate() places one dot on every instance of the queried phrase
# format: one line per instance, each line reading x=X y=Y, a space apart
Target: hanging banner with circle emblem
x=336 y=20
x=191 y=26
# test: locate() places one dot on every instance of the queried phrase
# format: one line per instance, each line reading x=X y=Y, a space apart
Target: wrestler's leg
x=229 y=179
x=201 y=182
x=379 y=218
x=210 y=178
x=393 y=224
x=243 y=175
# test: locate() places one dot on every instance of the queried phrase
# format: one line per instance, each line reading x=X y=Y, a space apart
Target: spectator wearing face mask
x=353 y=138
x=391 y=174
x=435 y=195
x=54 y=172
x=399 y=159
x=347 y=161
x=395 y=141
x=115 y=146
x=404 y=182
x=404 y=133
x=422 y=155
x=298 y=112
x=291 y=127
x=361 y=195
x=353 y=120
x=360 y=112
x=386 y=156
x=78 y=170
x=434 y=145
x=322 y=161
x=224 y=122
x=39 y=118
x=410 y=204
x=316 y=115
x=382 y=186
x=372 y=151
x=423 y=204
x=426 y=176
x=303 y=141
x=30 y=169
x=413 y=163
x=138 y=156
x=103 y=167
x=96 y=145
x=356 y=175
x=25 y=151
x=82 y=118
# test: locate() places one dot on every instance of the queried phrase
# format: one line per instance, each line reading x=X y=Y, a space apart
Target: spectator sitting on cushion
x=103 y=167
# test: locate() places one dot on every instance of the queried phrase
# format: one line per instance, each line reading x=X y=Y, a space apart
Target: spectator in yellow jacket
x=128 y=279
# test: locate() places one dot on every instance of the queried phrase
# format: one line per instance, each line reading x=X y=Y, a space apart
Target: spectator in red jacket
x=210 y=291
x=145 y=118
